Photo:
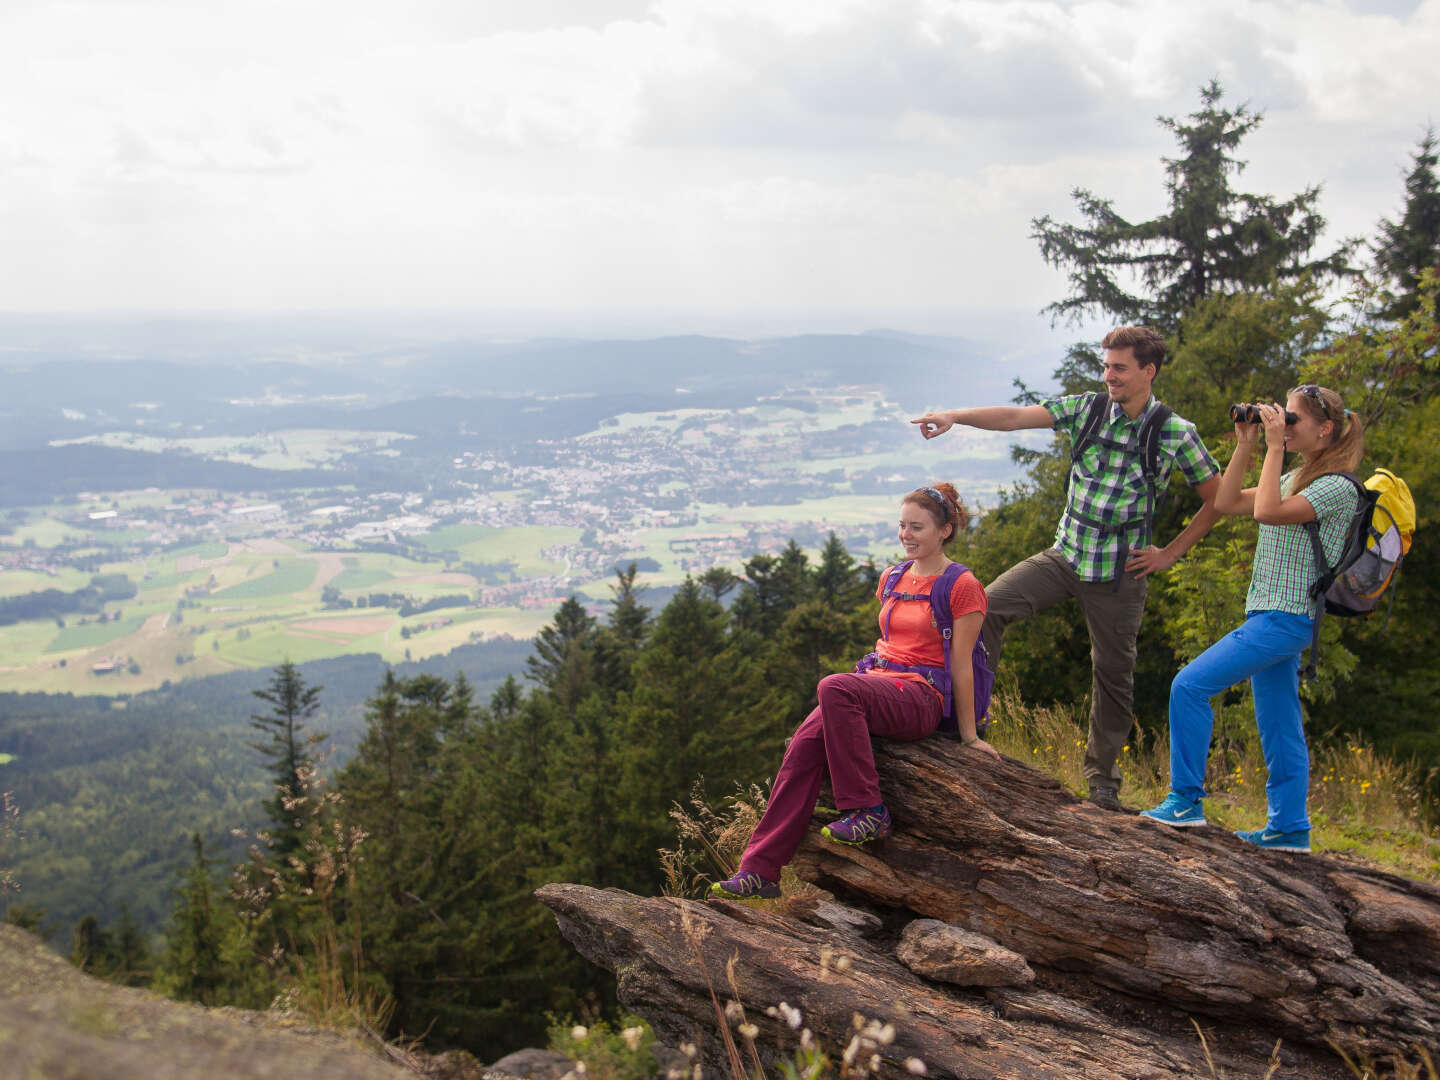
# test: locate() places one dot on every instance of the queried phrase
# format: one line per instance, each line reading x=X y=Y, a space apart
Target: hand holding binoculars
x=1250 y=414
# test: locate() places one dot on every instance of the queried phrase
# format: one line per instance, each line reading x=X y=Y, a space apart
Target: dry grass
x=1361 y=803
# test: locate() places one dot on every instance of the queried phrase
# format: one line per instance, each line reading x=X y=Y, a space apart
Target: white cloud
x=690 y=153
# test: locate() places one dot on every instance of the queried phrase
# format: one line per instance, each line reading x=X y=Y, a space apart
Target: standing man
x=1124 y=447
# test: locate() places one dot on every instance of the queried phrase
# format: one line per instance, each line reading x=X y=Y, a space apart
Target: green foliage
x=621 y=1051
x=1211 y=239
x=1408 y=247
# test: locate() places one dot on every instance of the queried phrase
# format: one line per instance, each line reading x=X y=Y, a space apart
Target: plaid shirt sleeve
x=1066 y=413
x=1190 y=455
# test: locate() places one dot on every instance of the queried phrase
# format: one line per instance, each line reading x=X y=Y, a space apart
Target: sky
x=665 y=164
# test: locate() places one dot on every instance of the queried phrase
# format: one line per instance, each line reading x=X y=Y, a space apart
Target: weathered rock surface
x=1131 y=929
x=58 y=1023
x=533 y=1064
x=945 y=953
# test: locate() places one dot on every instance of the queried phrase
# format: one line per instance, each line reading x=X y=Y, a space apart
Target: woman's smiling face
x=1310 y=433
x=920 y=535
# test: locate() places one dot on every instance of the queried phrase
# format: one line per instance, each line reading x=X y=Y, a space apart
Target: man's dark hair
x=1149 y=346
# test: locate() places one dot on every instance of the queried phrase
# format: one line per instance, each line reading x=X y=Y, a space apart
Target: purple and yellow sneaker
x=860 y=826
x=746 y=885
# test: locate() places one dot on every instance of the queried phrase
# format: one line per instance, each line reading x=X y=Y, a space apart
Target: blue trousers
x=1265 y=649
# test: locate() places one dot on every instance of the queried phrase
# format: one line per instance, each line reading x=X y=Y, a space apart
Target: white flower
x=688 y=1049
x=579 y=1033
x=915 y=1067
x=734 y=1011
x=842 y=964
x=792 y=1016
x=632 y=1036
x=749 y=1031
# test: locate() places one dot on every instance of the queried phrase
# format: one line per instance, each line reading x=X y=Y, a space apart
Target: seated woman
x=885 y=696
x=1279 y=613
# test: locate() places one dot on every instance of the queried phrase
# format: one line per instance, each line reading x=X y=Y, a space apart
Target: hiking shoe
x=1299 y=840
x=1176 y=810
x=746 y=885
x=1105 y=796
x=860 y=826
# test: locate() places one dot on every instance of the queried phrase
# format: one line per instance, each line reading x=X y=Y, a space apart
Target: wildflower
x=579 y=1033
x=792 y=1016
x=581 y=1068
x=842 y=964
x=1123 y=750
x=734 y=1011
x=688 y=1049
x=915 y=1067
x=749 y=1031
x=807 y=1040
x=848 y=1057
x=874 y=1062
x=632 y=1036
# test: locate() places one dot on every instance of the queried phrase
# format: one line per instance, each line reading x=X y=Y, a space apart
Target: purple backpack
x=938 y=677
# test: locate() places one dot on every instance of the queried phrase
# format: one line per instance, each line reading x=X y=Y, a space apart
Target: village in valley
x=480 y=544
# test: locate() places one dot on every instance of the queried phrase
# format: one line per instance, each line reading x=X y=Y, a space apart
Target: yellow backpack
x=1376 y=543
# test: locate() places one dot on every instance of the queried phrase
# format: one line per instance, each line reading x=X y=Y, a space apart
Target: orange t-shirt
x=914 y=635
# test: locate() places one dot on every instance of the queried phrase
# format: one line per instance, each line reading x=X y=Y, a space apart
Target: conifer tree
x=618 y=643
x=1411 y=245
x=1212 y=238
x=393 y=791
x=190 y=967
x=702 y=706
x=290 y=749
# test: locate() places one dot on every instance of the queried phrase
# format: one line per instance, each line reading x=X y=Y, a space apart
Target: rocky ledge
x=1008 y=930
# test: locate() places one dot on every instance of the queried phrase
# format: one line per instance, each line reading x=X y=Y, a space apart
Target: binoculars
x=1250 y=414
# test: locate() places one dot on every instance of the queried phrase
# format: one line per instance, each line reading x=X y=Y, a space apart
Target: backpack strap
x=1328 y=573
x=1094 y=418
x=940 y=605
x=1147 y=444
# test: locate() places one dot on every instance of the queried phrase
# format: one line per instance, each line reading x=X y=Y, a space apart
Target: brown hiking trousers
x=1113 y=617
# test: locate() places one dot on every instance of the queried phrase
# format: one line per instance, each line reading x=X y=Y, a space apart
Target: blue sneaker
x=1299 y=840
x=860 y=826
x=1176 y=810
x=746 y=885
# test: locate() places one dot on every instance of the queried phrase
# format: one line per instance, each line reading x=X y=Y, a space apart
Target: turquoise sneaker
x=1299 y=840
x=1177 y=811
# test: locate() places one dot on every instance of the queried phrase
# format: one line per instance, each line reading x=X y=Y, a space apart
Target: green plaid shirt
x=1284 y=567
x=1108 y=484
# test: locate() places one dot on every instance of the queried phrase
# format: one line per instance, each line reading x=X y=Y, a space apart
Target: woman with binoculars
x=1279 y=613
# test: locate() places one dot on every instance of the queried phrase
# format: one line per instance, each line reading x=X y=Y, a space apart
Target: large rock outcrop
x=59 y=1023
x=1130 y=931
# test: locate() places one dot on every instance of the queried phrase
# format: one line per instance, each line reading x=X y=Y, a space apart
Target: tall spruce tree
x=290 y=749
x=1409 y=246
x=1211 y=239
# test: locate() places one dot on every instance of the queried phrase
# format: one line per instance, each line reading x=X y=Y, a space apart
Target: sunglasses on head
x=1312 y=391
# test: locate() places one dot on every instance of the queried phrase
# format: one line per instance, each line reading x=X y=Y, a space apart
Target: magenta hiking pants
x=836 y=736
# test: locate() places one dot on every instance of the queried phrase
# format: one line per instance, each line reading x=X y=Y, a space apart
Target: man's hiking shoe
x=1105 y=797
x=860 y=826
x=746 y=885
x=1299 y=840
x=1176 y=810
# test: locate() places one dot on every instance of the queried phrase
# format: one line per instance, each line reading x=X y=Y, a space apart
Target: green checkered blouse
x=1107 y=484
x=1284 y=566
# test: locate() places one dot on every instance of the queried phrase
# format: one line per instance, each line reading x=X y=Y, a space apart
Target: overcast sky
x=816 y=164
